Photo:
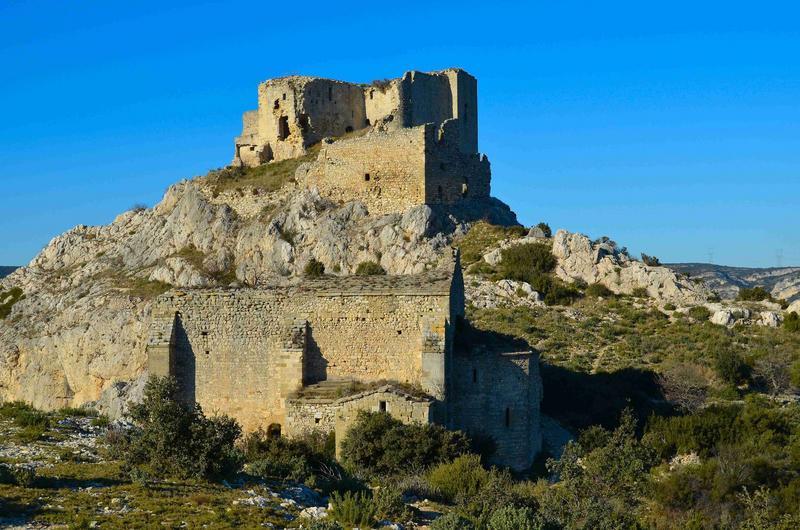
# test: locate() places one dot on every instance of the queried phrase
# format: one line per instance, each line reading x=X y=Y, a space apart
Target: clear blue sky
x=672 y=127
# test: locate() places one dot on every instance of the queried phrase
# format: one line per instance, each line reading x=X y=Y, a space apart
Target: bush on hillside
x=792 y=322
x=353 y=509
x=314 y=268
x=640 y=292
x=652 y=261
x=598 y=290
x=513 y=518
x=379 y=444
x=459 y=480
x=370 y=268
x=545 y=228
x=174 y=438
x=452 y=521
x=753 y=294
x=527 y=261
x=700 y=313
x=730 y=367
x=323 y=524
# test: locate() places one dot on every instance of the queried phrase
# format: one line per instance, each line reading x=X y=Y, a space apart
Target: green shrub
x=452 y=521
x=459 y=480
x=513 y=518
x=700 y=313
x=753 y=294
x=323 y=524
x=353 y=509
x=640 y=292
x=24 y=415
x=545 y=228
x=8 y=299
x=652 y=261
x=370 y=268
x=524 y=262
x=314 y=268
x=308 y=459
x=598 y=290
x=482 y=236
x=379 y=444
x=389 y=504
x=174 y=438
x=792 y=322
x=30 y=434
x=794 y=374
x=730 y=367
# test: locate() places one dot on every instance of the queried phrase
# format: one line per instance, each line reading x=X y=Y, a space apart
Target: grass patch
x=482 y=236
x=266 y=177
x=8 y=299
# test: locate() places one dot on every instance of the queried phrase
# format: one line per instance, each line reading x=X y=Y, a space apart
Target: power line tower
x=711 y=255
x=779 y=257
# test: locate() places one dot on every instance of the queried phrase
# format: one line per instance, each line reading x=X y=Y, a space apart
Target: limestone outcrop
x=76 y=336
x=601 y=261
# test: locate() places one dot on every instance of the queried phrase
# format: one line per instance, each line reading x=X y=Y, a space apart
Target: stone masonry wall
x=498 y=395
x=384 y=170
x=393 y=170
x=304 y=415
x=241 y=352
x=297 y=111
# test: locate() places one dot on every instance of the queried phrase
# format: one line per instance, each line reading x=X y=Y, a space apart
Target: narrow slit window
x=366 y=177
x=508 y=416
x=382 y=406
x=474 y=375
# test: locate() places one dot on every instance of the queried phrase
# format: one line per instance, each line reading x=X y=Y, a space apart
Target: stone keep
x=423 y=127
x=281 y=355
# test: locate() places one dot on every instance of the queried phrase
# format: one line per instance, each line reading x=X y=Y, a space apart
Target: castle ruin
x=399 y=143
x=311 y=355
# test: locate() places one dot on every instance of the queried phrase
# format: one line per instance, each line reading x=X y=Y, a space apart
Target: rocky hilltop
x=77 y=333
x=781 y=282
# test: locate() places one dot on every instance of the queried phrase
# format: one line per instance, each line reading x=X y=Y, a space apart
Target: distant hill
x=782 y=282
x=5 y=270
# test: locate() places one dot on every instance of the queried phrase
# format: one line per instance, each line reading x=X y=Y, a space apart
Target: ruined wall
x=498 y=395
x=384 y=170
x=453 y=176
x=382 y=101
x=439 y=96
x=307 y=415
x=297 y=111
x=418 y=165
x=241 y=352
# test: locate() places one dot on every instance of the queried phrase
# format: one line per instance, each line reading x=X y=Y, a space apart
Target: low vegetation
x=370 y=268
x=483 y=236
x=264 y=178
x=175 y=439
x=314 y=268
x=8 y=299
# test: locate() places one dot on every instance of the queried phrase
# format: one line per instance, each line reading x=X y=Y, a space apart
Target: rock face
x=602 y=262
x=77 y=335
x=781 y=282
